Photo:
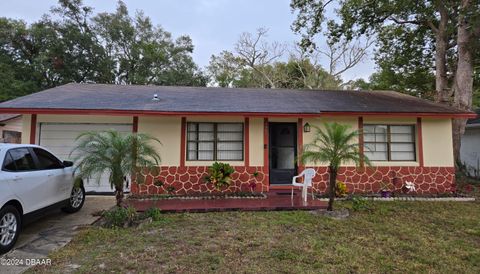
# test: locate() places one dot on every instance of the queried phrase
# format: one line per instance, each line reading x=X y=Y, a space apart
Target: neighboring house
x=261 y=132
x=11 y=128
x=470 y=149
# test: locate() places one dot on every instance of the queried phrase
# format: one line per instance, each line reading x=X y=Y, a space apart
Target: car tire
x=10 y=224
x=76 y=200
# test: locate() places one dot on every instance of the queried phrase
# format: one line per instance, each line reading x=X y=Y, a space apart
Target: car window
x=22 y=158
x=46 y=160
x=8 y=163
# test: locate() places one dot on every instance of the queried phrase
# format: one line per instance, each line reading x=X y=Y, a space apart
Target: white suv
x=33 y=181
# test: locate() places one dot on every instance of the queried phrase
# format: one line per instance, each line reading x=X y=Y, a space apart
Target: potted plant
x=385 y=190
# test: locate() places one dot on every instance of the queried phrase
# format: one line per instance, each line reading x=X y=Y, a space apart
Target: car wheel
x=77 y=198
x=10 y=224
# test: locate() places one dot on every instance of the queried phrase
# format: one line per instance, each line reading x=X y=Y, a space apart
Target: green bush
x=359 y=204
x=219 y=175
x=120 y=216
x=154 y=213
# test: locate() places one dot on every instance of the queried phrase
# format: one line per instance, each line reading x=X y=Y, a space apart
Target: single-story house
x=260 y=132
x=470 y=149
x=11 y=128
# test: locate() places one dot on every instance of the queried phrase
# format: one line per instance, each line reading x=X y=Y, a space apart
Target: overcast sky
x=214 y=25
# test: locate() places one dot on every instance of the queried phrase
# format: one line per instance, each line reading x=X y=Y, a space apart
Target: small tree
x=114 y=153
x=334 y=145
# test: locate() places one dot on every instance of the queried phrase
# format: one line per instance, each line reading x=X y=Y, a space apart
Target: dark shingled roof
x=211 y=100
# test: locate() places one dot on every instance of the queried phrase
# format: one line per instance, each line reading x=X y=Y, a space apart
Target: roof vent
x=155 y=97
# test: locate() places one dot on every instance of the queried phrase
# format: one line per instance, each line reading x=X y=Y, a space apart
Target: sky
x=213 y=25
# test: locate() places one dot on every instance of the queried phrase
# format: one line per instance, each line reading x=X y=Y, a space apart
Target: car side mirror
x=67 y=163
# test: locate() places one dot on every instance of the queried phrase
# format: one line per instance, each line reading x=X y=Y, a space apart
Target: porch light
x=306 y=127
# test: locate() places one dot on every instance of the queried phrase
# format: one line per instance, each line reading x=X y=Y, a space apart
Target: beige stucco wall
x=320 y=122
x=26 y=118
x=437 y=134
x=168 y=131
x=437 y=142
x=256 y=141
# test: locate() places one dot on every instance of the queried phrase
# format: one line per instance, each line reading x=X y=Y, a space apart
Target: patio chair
x=308 y=175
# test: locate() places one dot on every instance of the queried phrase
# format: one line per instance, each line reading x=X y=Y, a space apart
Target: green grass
x=398 y=237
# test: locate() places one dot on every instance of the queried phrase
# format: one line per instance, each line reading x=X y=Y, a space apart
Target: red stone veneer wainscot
x=427 y=180
x=190 y=180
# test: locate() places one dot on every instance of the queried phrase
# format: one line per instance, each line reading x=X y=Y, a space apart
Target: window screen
x=389 y=142
x=215 y=141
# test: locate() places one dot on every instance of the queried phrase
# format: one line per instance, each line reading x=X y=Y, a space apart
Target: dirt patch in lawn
x=439 y=237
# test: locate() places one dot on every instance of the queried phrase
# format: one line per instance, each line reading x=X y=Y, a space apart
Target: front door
x=283 y=148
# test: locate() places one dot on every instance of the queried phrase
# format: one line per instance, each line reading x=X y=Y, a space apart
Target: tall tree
x=445 y=31
x=143 y=53
x=76 y=46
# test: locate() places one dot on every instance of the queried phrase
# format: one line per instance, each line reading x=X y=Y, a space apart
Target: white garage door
x=60 y=139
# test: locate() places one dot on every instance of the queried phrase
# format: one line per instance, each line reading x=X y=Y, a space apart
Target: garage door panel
x=60 y=139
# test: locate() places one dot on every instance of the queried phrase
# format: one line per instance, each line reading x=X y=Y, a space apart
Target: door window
x=22 y=158
x=8 y=163
x=46 y=160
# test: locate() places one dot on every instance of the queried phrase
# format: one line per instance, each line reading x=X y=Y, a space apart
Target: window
x=12 y=136
x=22 y=159
x=215 y=141
x=389 y=142
x=46 y=160
x=8 y=163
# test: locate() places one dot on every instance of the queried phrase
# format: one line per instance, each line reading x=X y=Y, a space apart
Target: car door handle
x=16 y=178
x=49 y=174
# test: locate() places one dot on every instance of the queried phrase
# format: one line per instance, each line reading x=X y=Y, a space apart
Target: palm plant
x=116 y=154
x=336 y=144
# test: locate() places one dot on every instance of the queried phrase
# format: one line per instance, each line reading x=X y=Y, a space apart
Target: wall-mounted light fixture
x=306 y=127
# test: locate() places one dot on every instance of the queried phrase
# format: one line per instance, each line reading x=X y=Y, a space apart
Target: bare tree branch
x=257 y=53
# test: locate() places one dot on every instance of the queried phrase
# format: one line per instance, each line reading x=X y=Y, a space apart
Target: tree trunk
x=331 y=187
x=441 y=45
x=463 y=84
x=119 y=194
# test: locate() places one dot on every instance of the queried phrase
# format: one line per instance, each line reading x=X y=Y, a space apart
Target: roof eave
x=114 y=112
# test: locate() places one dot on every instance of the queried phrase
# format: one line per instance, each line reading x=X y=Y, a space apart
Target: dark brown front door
x=282 y=151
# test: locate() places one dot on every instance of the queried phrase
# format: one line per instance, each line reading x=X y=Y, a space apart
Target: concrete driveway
x=51 y=232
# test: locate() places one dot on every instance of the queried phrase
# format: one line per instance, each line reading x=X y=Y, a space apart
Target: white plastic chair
x=308 y=175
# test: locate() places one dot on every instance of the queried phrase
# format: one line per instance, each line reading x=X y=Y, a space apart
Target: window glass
x=46 y=160
x=22 y=158
x=8 y=163
x=215 y=141
x=389 y=142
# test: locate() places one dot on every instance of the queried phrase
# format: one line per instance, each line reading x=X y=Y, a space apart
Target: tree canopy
x=417 y=42
x=77 y=45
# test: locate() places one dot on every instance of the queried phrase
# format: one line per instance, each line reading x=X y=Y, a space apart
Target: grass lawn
x=402 y=237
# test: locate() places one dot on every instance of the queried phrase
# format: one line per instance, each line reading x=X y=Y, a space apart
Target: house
x=470 y=149
x=10 y=128
x=260 y=132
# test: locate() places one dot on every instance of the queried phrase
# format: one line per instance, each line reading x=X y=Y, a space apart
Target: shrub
x=120 y=216
x=154 y=213
x=157 y=183
x=360 y=204
x=170 y=189
x=340 y=189
x=219 y=175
